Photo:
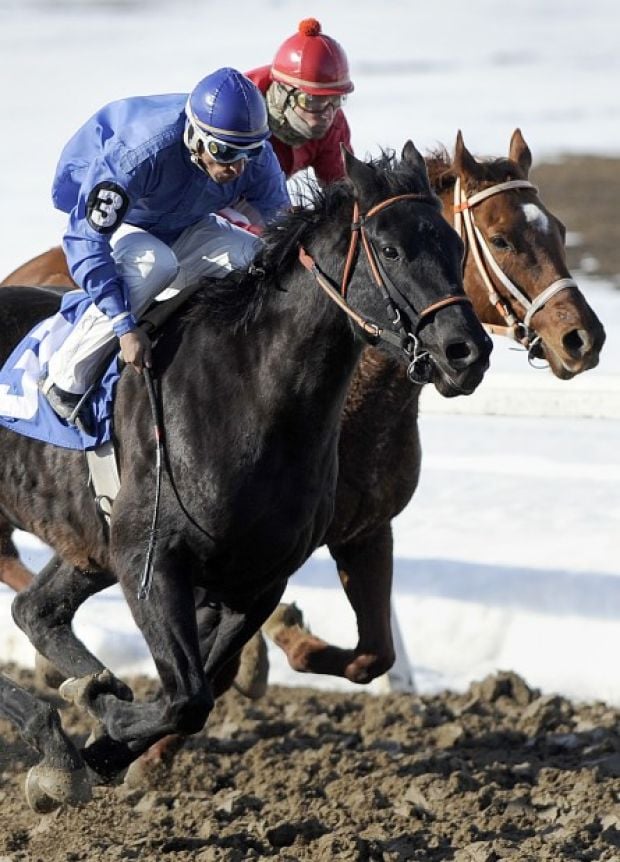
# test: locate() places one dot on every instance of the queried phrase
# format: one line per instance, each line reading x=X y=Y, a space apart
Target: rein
x=419 y=366
x=519 y=330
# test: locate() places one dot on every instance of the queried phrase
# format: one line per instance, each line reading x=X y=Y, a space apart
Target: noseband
x=420 y=366
x=520 y=331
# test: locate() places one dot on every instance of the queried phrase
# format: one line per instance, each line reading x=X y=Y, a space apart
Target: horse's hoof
x=48 y=788
x=284 y=617
x=81 y=691
x=252 y=676
x=144 y=773
x=46 y=675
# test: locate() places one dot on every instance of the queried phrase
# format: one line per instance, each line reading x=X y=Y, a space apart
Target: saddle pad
x=25 y=410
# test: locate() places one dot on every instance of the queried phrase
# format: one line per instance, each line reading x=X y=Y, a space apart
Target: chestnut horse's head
x=515 y=261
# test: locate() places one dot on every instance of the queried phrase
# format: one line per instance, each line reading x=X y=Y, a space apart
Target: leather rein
x=519 y=330
x=420 y=365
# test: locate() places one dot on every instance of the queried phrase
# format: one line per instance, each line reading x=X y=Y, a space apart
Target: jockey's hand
x=136 y=349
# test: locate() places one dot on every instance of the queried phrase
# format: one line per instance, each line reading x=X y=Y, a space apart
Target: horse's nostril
x=460 y=354
x=576 y=342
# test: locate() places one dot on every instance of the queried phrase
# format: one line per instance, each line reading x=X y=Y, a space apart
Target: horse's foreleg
x=45 y=611
x=224 y=640
x=365 y=569
x=147 y=769
x=13 y=573
x=60 y=777
x=167 y=620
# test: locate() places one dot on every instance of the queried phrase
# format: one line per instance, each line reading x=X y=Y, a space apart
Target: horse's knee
x=29 y=612
x=23 y=612
x=189 y=715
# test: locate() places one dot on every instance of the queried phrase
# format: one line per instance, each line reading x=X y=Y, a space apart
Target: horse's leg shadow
x=60 y=777
x=365 y=570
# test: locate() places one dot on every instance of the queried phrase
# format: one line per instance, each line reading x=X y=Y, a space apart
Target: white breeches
x=150 y=270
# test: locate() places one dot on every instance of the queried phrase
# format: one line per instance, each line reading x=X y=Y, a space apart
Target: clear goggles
x=315 y=104
x=225 y=154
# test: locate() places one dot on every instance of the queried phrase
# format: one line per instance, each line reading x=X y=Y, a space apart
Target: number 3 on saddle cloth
x=25 y=410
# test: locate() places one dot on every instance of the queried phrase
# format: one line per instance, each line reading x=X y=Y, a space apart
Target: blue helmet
x=227 y=106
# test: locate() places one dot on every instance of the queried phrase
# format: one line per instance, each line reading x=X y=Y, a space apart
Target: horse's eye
x=389 y=251
x=500 y=243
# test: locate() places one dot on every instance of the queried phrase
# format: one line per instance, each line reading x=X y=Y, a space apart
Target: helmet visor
x=316 y=104
x=225 y=154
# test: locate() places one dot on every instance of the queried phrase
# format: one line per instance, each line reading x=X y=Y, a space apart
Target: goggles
x=316 y=104
x=226 y=154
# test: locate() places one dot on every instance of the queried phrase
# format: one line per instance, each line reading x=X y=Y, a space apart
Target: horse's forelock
x=492 y=169
x=399 y=176
x=282 y=239
x=237 y=301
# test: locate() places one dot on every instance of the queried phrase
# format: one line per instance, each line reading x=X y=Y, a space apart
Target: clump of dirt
x=499 y=772
x=583 y=191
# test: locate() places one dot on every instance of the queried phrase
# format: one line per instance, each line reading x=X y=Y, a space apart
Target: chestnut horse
x=515 y=273
x=250 y=471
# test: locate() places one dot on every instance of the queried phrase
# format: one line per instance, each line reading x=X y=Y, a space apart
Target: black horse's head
x=409 y=279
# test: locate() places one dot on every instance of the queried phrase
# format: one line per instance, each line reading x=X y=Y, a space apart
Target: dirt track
x=497 y=773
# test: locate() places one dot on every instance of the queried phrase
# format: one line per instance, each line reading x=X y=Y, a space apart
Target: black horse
x=60 y=777
x=252 y=380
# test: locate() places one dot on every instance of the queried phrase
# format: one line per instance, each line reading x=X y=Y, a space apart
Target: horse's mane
x=443 y=176
x=236 y=301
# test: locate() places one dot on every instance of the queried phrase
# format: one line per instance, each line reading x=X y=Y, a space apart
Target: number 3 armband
x=106 y=207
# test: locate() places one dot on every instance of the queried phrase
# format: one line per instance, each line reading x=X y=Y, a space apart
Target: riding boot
x=64 y=404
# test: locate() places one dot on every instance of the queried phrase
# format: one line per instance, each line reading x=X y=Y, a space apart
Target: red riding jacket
x=323 y=155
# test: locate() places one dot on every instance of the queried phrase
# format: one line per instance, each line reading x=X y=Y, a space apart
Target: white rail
x=592 y=395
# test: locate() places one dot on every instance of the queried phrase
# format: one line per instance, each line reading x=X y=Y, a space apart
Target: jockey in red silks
x=305 y=88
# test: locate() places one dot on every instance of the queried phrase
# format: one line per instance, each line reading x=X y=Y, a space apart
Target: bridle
x=520 y=330
x=419 y=370
x=420 y=366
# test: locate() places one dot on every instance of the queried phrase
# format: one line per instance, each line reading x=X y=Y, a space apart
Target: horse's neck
x=295 y=359
x=380 y=396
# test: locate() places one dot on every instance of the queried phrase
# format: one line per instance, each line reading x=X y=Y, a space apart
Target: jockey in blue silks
x=143 y=181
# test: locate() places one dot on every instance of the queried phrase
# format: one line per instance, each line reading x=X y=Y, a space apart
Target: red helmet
x=313 y=62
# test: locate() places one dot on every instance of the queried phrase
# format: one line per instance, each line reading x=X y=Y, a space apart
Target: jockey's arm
x=265 y=195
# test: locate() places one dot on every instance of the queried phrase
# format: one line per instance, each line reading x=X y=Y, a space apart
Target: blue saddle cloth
x=25 y=410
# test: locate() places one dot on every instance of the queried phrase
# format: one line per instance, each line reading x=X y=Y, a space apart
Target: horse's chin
x=563 y=369
x=450 y=388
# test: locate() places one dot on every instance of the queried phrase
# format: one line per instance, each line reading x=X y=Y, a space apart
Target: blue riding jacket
x=128 y=163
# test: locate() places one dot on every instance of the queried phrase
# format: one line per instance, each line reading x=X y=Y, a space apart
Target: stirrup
x=64 y=404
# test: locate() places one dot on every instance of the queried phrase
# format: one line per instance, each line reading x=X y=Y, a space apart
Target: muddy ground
x=497 y=773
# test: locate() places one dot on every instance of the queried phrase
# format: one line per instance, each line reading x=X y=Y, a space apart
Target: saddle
x=102 y=462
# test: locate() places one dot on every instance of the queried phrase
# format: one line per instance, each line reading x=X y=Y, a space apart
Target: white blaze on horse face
x=535 y=216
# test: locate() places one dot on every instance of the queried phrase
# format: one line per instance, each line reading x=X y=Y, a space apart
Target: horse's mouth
x=448 y=381
x=449 y=387
x=562 y=366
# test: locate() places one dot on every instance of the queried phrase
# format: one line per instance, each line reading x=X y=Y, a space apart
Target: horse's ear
x=520 y=152
x=464 y=164
x=362 y=176
x=414 y=157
